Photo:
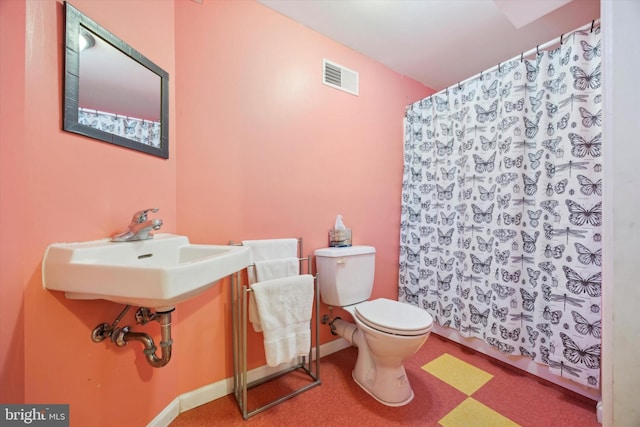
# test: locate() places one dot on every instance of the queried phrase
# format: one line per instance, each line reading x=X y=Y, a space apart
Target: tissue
x=339 y=236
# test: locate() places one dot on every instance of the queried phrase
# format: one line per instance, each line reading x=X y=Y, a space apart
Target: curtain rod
x=561 y=40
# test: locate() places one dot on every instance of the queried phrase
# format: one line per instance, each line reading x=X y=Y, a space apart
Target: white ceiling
x=440 y=42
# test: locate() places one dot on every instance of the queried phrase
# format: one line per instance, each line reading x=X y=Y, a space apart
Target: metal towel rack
x=239 y=306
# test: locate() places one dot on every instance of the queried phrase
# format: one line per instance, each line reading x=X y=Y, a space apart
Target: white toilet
x=386 y=331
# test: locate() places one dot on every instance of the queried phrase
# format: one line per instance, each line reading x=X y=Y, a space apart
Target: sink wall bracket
x=121 y=336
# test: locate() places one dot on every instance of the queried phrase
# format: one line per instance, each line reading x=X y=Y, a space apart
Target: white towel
x=277 y=268
x=285 y=306
x=269 y=270
x=272 y=248
x=269 y=249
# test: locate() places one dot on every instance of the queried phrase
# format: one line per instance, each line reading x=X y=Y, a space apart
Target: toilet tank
x=345 y=275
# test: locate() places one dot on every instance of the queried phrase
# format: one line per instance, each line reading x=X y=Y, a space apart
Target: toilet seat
x=393 y=317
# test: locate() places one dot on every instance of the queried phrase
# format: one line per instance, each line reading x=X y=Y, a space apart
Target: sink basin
x=156 y=273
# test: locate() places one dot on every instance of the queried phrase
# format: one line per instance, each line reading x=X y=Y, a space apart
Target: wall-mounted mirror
x=112 y=92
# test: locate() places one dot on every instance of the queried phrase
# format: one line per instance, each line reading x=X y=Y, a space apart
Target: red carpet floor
x=510 y=396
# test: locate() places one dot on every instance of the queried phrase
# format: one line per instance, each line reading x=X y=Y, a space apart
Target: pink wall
x=12 y=177
x=57 y=186
x=267 y=150
x=259 y=148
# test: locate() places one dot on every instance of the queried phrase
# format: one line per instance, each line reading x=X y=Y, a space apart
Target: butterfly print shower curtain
x=502 y=208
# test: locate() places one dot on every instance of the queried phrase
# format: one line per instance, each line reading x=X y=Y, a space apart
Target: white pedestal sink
x=156 y=273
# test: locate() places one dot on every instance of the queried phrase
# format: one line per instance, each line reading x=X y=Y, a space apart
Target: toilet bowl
x=386 y=332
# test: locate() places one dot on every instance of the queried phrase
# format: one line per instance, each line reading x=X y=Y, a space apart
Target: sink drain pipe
x=121 y=336
x=166 y=343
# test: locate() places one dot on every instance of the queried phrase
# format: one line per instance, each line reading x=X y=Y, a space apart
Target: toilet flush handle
x=341 y=260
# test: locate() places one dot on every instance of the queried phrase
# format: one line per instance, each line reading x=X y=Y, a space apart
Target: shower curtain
x=144 y=131
x=502 y=207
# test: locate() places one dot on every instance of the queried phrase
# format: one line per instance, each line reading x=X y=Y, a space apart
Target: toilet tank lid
x=344 y=251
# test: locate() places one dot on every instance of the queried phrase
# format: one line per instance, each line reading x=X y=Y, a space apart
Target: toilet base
x=378 y=371
x=384 y=402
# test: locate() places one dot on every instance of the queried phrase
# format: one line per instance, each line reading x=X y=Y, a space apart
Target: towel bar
x=239 y=307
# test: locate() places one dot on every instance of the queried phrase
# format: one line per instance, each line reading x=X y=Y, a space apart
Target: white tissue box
x=339 y=238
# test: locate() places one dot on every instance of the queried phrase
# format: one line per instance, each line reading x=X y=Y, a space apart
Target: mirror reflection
x=116 y=94
x=112 y=92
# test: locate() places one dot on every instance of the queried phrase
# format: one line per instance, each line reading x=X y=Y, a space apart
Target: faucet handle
x=141 y=216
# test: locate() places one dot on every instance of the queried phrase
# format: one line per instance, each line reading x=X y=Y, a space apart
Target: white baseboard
x=168 y=414
x=211 y=392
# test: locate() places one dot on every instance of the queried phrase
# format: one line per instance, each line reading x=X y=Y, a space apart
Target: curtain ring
x=480 y=75
x=499 y=69
x=537 y=50
x=459 y=87
x=561 y=36
x=592 y=24
x=521 y=56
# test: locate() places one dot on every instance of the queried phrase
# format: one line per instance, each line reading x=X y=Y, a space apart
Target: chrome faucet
x=140 y=227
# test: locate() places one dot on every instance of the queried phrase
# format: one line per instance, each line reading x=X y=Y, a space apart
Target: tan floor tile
x=457 y=373
x=472 y=413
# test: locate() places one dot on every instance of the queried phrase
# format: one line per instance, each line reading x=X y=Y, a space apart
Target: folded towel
x=272 y=248
x=284 y=306
x=277 y=268
x=269 y=249
x=269 y=270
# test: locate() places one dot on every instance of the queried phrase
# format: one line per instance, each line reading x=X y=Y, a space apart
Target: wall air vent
x=339 y=77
